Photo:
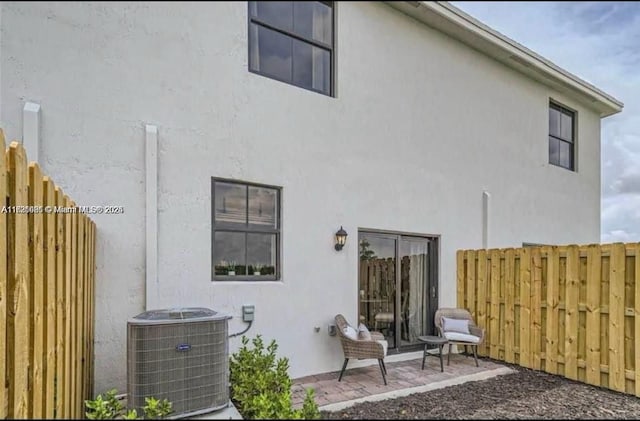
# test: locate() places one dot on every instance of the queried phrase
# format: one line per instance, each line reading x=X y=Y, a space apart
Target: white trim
x=31 y=130
x=151 y=209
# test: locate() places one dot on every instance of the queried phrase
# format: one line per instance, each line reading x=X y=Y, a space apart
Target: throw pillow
x=455 y=325
x=363 y=333
x=351 y=333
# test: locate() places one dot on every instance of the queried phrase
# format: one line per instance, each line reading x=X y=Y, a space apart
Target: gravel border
x=524 y=394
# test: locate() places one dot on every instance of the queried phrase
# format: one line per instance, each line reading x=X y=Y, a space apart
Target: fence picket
x=509 y=311
x=19 y=331
x=571 y=313
x=525 y=307
x=594 y=262
x=616 y=318
x=494 y=316
x=481 y=308
x=470 y=255
x=553 y=268
x=536 y=308
x=37 y=302
x=50 y=324
x=460 y=279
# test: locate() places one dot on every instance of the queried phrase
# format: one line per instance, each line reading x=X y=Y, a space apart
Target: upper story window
x=293 y=42
x=561 y=137
x=246 y=231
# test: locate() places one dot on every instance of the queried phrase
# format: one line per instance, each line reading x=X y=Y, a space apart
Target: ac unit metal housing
x=181 y=355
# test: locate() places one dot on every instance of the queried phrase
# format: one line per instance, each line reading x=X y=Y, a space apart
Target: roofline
x=465 y=28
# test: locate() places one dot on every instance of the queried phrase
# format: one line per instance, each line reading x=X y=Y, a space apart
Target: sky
x=600 y=43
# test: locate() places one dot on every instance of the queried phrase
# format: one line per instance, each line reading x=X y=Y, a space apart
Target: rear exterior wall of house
x=419 y=126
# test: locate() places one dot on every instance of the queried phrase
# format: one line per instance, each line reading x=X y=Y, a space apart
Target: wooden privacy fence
x=46 y=295
x=567 y=310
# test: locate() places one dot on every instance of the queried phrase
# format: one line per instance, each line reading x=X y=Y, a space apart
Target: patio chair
x=354 y=347
x=458 y=327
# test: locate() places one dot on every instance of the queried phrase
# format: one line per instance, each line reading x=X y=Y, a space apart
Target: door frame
x=433 y=281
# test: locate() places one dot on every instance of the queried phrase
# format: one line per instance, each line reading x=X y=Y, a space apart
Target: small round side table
x=433 y=341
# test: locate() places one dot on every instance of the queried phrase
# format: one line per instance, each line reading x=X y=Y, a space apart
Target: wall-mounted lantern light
x=341 y=238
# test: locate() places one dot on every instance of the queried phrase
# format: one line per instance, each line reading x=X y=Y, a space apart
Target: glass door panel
x=377 y=284
x=414 y=302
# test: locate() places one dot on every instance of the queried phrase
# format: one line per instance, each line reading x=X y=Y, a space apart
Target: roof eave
x=468 y=30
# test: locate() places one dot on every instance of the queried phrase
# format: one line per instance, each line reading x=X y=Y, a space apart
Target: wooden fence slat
x=551 y=347
x=79 y=250
x=85 y=330
x=460 y=279
x=37 y=303
x=481 y=307
x=637 y=318
x=594 y=265
x=68 y=287
x=74 y=311
x=525 y=307
x=61 y=409
x=18 y=329
x=470 y=256
x=616 y=318
x=536 y=308
x=494 y=331
x=509 y=330
x=51 y=304
x=571 y=313
x=92 y=301
x=3 y=283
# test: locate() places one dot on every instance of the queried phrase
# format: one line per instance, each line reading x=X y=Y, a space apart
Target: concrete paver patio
x=403 y=377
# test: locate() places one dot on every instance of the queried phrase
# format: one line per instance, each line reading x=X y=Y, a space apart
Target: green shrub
x=110 y=408
x=260 y=384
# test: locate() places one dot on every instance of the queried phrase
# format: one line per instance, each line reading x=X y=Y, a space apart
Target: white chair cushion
x=461 y=337
x=384 y=344
x=455 y=325
x=363 y=333
x=351 y=333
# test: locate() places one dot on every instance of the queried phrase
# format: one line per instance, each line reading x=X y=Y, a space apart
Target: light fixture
x=341 y=238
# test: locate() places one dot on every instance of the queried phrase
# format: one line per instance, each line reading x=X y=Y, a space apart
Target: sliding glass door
x=397 y=286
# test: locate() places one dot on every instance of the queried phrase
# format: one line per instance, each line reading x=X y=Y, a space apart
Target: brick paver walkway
x=360 y=382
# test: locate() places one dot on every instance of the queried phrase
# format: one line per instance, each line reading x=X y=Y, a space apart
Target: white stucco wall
x=420 y=127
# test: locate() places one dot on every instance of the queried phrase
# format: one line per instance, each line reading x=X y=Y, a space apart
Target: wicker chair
x=361 y=348
x=475 y=337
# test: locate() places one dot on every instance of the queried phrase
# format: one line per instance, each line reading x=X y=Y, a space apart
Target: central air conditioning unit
x=181 y=355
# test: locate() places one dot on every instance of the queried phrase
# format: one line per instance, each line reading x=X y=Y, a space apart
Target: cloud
x=598 y=42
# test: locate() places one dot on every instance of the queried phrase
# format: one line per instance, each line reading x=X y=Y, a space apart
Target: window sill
x=245 y=278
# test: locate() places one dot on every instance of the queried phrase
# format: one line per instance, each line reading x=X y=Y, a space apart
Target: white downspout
x=151 y=209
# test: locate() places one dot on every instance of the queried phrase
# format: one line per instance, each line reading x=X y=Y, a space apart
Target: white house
x=251 y=133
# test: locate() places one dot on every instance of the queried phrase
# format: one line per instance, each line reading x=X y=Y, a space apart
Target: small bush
x=110 y=408
x=260 y=384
